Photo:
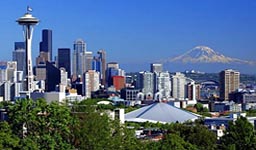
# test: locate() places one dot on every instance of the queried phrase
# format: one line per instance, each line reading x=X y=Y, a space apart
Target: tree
x=93 y=129
x=197 y=135
x=7 y=139
x=240 y=135
x=175 y=142
x=200 y=108
x=41 y=125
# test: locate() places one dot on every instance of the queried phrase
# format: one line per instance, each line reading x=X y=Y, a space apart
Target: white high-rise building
x=91 y=82
x=148 y=84
x=183 y=88
x=178 y=85
x=164 y=84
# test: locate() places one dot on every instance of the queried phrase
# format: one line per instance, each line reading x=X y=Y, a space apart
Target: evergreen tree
x=240 y=135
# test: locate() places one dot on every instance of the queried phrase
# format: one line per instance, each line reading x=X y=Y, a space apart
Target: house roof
x=160 y=112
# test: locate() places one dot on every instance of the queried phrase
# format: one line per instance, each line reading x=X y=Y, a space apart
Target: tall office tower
x=148 y=84
x=19 y=55
x=178 y=86
x=229 y=82
x=78 y=60
x=102 y=57
x=164 y=84
x=156 y=67
x=88 y=60
x=28 y=21
x=46 y=44
x=90 y=82
x=64 y=60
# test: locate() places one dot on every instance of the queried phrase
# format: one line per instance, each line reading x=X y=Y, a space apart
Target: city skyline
x=125 y=28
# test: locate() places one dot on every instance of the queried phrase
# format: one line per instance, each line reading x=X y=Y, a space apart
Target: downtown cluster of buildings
x=77 y=74
x=55 y=76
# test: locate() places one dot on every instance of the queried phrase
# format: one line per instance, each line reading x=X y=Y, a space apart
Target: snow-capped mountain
x=204 y=54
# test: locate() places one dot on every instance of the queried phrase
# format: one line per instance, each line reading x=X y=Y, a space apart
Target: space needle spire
x=28 y=22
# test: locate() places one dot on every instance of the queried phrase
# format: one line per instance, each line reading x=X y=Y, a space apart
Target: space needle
x=28 y=22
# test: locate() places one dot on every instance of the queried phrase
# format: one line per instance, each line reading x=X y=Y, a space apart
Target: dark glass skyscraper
x=64 y=59
x=46 y=44
x=102 y=59
x=19 y=55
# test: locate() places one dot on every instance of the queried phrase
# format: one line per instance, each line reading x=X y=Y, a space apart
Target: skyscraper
x=78 y=65
x=88 y=61
x=64 y=59
x=164 y=84
x=19 y=55
x=46 y=44
x=178 y=85
x=102 y=58
x=148 y=84
x=183 y=87
x=229 y=82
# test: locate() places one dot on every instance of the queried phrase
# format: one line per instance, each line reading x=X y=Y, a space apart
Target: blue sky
x=137 y=31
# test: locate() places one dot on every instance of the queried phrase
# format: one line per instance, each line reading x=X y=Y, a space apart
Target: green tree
x=41 y=125
x=7 y=139
x=196 y=134
x=240 y=135
x=175 y=142
x=200 y=108
x=95 y=130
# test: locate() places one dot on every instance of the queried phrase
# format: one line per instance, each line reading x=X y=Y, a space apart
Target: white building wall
x=91 y=82
x=148 y=83
x=178 y=86
x=164 y=84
